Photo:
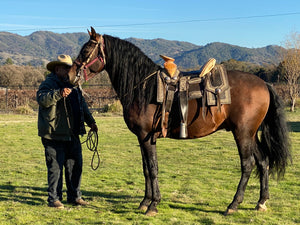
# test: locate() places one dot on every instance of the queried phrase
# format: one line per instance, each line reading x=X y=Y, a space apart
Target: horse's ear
x=93 y=30
x=92 y=33
x=89 y=32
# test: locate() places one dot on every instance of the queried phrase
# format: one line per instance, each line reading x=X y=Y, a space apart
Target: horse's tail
x=274 y=143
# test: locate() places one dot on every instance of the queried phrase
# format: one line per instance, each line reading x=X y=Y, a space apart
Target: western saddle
x=210 y=84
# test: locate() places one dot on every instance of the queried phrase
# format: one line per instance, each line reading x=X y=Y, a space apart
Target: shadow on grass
x=294 y=126
x=194 y=207
x=113 y=197
x=23 y=194
x=203 y=207
x=122 y=203
x=37 y=195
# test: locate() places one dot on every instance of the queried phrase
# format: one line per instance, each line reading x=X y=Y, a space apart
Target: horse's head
x=90 y=61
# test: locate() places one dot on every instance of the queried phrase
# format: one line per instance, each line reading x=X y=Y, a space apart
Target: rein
x=144 y=81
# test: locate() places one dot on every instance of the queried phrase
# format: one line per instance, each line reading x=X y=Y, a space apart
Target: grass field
x=198 y=179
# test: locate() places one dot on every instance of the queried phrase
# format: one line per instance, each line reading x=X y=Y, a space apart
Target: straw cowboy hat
x=61 y=60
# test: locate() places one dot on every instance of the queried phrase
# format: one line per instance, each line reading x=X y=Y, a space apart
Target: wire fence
x=14 y=98
x=98 y=97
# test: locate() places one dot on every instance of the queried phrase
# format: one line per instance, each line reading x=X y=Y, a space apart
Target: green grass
x=197 y=178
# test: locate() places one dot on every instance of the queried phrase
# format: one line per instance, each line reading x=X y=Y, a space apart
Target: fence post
x=6 y=99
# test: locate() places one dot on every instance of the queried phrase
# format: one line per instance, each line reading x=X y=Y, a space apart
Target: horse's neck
x=127 y=67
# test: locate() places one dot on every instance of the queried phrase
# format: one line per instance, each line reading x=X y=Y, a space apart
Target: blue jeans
x=61 y=154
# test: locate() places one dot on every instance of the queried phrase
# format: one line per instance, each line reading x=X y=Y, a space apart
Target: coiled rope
x=92 y=145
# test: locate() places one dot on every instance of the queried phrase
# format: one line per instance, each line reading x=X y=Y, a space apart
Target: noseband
x=89 y=62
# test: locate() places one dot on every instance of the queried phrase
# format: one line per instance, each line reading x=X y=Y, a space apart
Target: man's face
x=62 y=72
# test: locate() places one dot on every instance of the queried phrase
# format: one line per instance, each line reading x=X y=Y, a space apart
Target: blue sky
x=255 y=23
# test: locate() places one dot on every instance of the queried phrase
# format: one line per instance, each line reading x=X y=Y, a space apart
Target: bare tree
x=291 y=66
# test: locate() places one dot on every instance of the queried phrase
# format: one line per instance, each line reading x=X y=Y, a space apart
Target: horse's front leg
x=148 y=188
x=150 y=166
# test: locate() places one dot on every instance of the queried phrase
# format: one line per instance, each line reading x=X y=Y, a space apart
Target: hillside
x=223 y=52
x=39 y=47
x=155 y=47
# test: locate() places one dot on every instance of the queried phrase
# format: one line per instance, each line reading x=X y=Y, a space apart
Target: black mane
x=128 y=67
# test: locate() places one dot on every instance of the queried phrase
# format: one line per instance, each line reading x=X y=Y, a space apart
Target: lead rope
x=91 y=141
x=68 y=116
x=92 y=145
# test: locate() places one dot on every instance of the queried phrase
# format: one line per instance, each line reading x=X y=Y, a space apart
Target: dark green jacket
x=53 y=111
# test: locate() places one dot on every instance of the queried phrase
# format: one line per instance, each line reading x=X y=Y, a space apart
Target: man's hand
x=65 y=92
x=93 y=127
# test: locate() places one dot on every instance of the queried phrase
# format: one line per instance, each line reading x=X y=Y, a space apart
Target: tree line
x=15 y=75
x=12 y=75
x=287 y=73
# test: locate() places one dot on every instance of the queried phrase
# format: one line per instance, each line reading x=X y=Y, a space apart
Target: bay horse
x=254 y=105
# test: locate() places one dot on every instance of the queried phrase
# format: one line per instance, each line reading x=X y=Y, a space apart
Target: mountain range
x=39 y=47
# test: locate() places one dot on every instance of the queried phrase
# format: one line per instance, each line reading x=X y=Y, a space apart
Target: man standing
x=62 y=113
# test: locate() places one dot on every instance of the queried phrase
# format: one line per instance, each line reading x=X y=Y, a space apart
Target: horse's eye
x=86 y=51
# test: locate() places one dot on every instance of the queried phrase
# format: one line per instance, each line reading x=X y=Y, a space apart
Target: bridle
x=84 y=66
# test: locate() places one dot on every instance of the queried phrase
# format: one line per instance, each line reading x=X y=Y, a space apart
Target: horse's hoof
x=151 y=212
x=230 y=211
x=143 y=208
x=261 y=207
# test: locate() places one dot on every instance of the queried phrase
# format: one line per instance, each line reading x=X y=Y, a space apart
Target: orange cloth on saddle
x=169 y=65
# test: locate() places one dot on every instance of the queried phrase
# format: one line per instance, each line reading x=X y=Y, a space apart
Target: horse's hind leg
x=246 y=146
x=263 y=169
x=150 y=166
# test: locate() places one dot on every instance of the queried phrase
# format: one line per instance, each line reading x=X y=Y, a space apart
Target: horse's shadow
x=201 y=207
x=294 y=126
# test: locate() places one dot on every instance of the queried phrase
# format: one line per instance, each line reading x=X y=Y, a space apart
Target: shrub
x=25 y=109
x=115 y=107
